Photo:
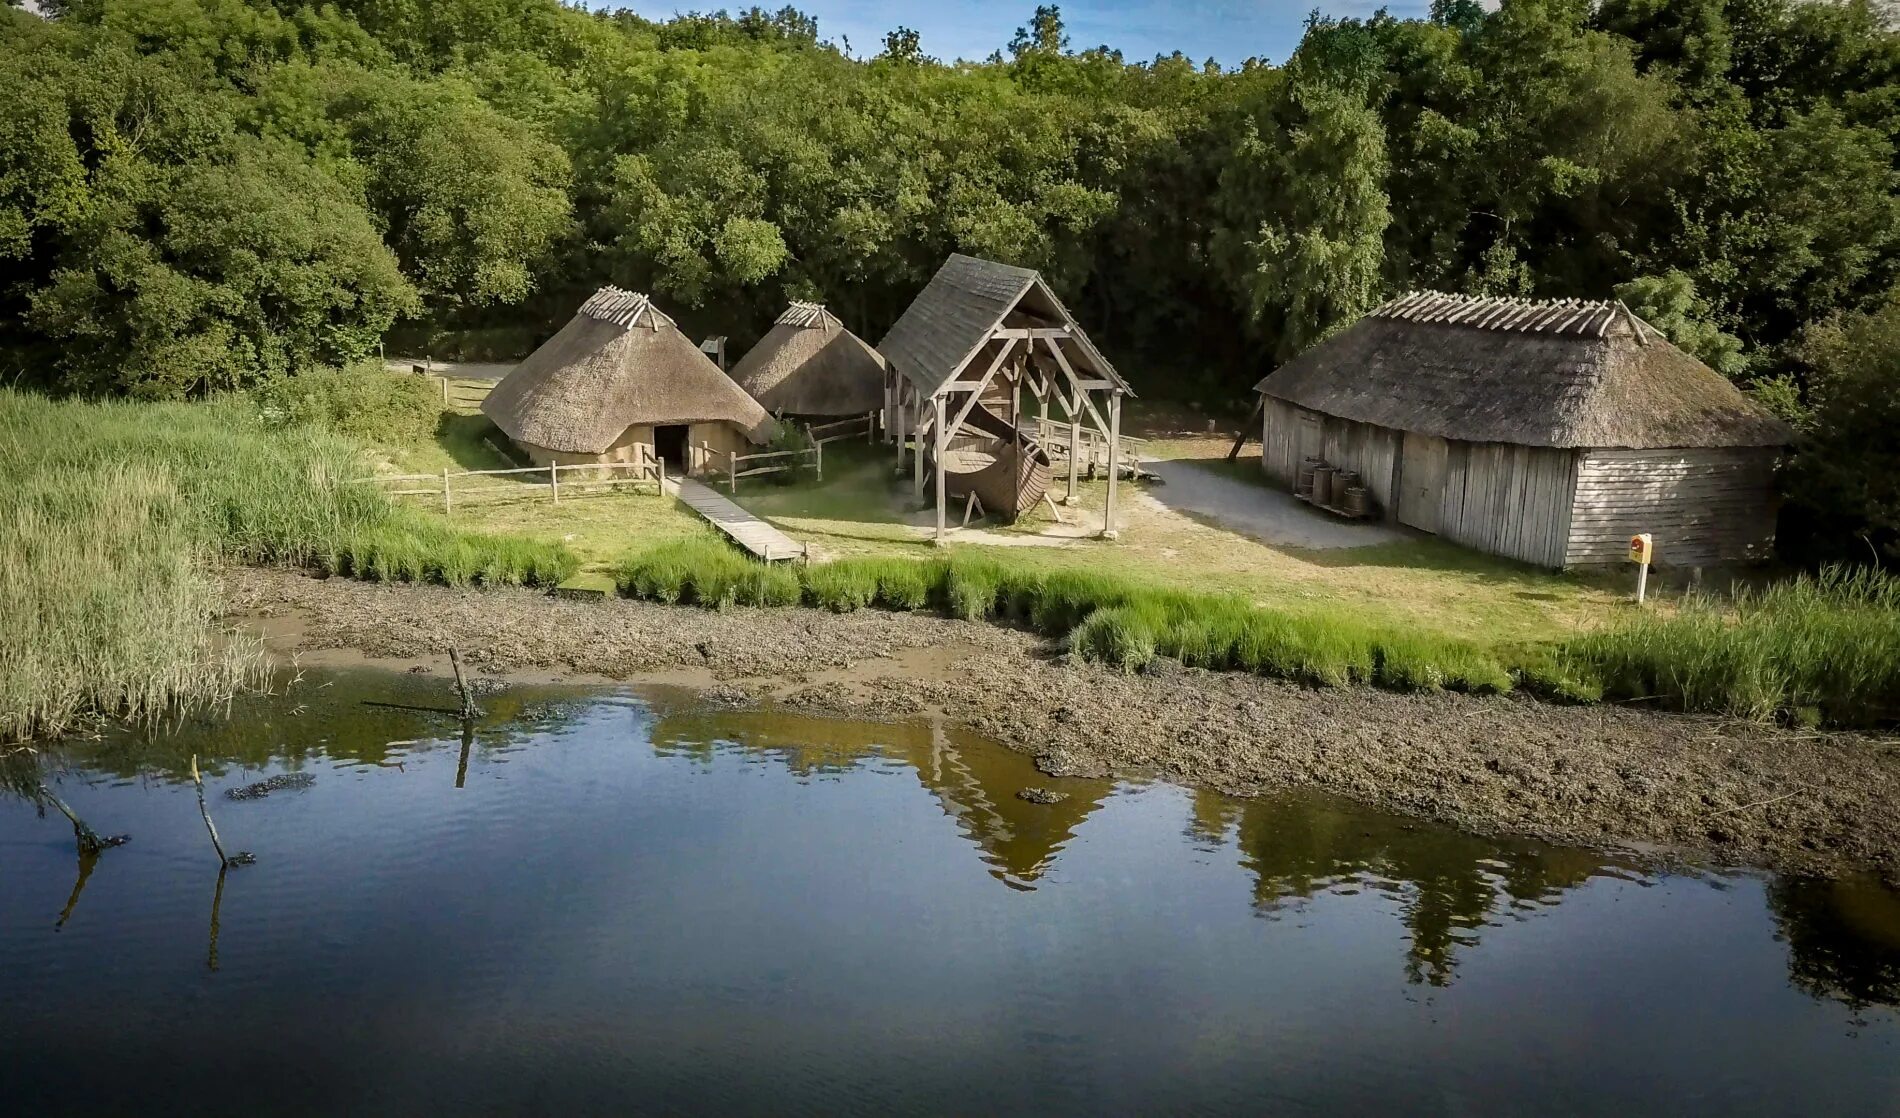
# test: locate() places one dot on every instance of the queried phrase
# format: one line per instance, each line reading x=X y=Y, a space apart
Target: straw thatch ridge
x=619 y=362
x=809 y=364
x=1554 y=374
x=952 y=318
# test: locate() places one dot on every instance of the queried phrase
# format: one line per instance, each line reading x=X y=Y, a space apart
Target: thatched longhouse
x=1549 y=432
x=809 y=365
x=620 y=383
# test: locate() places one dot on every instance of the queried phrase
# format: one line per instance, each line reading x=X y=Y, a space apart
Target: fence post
x=732 y=468
x=870 y=428
x=445 y=392
x=554 y=481
x=448 y=501
x=821 y=461
x=659 y=465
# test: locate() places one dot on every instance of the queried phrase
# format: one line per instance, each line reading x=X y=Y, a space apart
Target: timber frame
x=981 y=335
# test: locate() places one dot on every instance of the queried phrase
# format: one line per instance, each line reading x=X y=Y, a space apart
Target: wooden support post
x=205 y=814
x=1053 y=510
x=445 y=392
x=937 y=467
x=732 y=468
x=469 y=711
x=1075 y=450
x=448 y=500
x=1114 y=464
x=923 y=421
x=659 y=468
x=554 y=481
x=820 y=447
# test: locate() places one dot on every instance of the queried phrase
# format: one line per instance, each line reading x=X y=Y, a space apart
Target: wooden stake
x=205 y=813
x=87 y=838
x=448 y=501
x=469 y=712
x=1114 y=464
x=554 y=481
x=937 y=468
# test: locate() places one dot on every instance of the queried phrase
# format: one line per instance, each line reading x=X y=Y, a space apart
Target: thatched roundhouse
x=808 y=364
x=620 y=383
x=1549 y=432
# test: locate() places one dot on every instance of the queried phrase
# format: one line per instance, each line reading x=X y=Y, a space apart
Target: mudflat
x=1667 y=786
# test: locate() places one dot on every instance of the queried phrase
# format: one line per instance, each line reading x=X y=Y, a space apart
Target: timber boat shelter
x=1545 y=431
x=620 y=383
x=961 y=357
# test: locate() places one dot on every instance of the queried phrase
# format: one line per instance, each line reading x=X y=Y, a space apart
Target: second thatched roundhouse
x=620 y=383
x=809 y=365
x=1544 y=431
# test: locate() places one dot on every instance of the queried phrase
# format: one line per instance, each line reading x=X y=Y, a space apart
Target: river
x=624 y=900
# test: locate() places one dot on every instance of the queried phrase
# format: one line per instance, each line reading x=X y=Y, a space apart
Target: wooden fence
x=844 y=429
x=782 y=460
x=1091 y=446
x=587 y=477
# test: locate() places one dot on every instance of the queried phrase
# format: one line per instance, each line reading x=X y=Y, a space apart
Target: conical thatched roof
x=953 y=316
x=1563 y=373
x=618 y=363
x=809 y=364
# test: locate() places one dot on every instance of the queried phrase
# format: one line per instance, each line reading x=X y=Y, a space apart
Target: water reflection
x=975 y=782
x=1843 y=938
x=1449 y=885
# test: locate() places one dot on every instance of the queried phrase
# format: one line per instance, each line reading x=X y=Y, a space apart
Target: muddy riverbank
x=1604 y=776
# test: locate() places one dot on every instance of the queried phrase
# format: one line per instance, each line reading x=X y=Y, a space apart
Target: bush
x=363 y=402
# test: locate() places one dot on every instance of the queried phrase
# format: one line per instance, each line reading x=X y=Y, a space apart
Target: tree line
x=197 y=195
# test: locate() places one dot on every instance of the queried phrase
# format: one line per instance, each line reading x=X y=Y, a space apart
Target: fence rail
x=816 y=452
x=618 y=475
x=823 y=433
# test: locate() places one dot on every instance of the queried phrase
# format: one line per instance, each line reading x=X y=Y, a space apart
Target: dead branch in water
x=88 y=839
x=469 y=712
x=224 y=863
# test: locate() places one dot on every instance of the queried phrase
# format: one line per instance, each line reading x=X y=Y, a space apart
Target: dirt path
x=1266 y=514
x=1733 y=793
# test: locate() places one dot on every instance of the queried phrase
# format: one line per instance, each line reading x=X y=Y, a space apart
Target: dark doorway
x=669 y=445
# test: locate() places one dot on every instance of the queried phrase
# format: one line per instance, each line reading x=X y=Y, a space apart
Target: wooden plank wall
x=1289 y=433
x=1280 y=441
x=1509 y=500
x=1704 y=507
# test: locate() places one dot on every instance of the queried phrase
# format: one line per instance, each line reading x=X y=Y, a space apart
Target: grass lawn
x=862 y=508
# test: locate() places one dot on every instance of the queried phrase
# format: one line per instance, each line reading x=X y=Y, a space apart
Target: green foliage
x=1844 y=483
x=1669 y=303
x=706 y=571
x=114 y=514
x=1826 y=645
x=363 y=402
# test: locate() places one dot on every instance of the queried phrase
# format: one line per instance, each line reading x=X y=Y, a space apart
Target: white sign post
x=1642 y=553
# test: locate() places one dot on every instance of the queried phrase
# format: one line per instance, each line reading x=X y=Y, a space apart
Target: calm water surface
x=619 y=902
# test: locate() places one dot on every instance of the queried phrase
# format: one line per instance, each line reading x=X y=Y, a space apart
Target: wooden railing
x=1091 y=446
x=823 y=433
x=783 y=460
x=605 y=476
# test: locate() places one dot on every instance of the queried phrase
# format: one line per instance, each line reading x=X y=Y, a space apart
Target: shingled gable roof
x=617 y=363
x=951 y=319
x=809 y=364
x=1563 y=373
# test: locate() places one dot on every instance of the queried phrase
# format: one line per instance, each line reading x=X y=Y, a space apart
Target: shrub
x=363 y=401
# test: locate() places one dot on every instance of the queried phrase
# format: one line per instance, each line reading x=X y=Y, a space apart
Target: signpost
x=1642 y=553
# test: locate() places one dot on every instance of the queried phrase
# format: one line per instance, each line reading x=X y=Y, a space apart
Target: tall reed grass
x=1816 y=649
x=113 y=513
x=1104 y=617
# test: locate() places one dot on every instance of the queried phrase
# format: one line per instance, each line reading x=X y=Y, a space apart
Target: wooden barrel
x=1355 y=500
x=1343 y=479
x=1323 y=485
x=1303 y=483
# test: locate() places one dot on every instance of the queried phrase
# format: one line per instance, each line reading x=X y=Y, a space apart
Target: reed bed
x=1818 y=649
x=1118 y=621
x=114 y=515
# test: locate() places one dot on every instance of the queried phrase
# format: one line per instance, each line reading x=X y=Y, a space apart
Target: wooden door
x=1421 y=480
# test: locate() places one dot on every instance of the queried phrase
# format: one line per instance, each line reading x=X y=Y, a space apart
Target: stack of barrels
x=1331 y=487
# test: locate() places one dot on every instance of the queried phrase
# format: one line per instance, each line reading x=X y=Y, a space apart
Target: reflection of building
x=1448 y=884
x=975 y=782
x=1843 y=938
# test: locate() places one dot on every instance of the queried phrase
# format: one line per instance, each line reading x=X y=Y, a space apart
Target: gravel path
x=1258 y=511
x=1730 y=792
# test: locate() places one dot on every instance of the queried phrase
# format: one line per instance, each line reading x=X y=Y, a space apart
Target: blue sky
x=1227 y=30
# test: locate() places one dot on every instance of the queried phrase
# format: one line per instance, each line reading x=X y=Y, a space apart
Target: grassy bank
x=115 y=513
x=1813 y=650
x=1121 y=621
x=1817 y=650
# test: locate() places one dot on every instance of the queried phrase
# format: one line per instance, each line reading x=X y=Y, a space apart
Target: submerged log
x=469 y=710
x=243 y=857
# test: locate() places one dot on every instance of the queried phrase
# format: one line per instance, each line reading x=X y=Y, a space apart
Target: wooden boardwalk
x=748 y=531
